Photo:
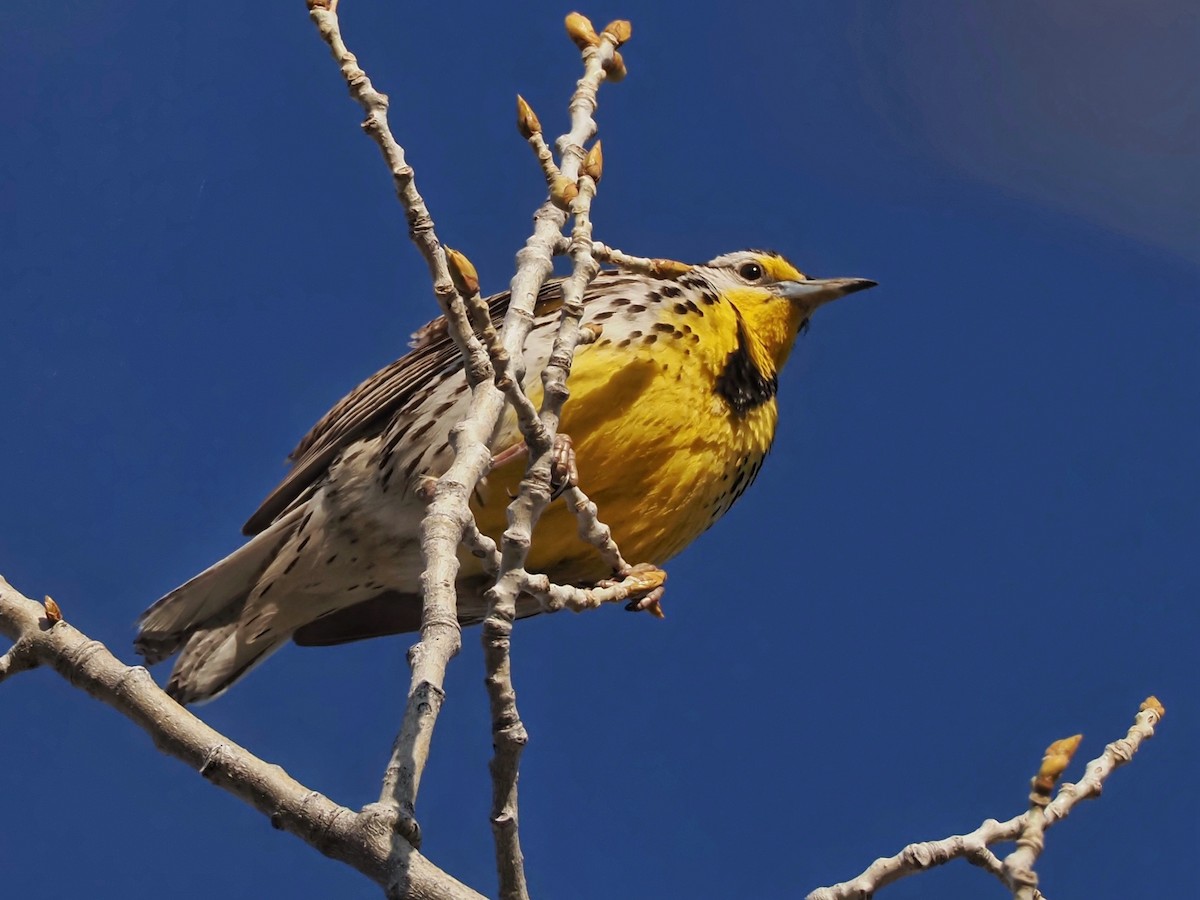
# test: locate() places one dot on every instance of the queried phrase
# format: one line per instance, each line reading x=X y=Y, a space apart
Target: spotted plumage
x=672 y=412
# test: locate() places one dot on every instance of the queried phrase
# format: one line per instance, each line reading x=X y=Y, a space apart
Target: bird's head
x=774 y=298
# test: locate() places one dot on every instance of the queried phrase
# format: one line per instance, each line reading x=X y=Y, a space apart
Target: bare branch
x=19 y=658
x=918 y=857
x=509 y=738
x=363 y=840
x=1018 y=865
x=592 y=530
x=640 y=588
x=420 y=223
x=508 y=732
x=562 y=189
x=449 y=511
x=656 y=268
x=463 y=272
x=442 y=527
x=1116 y=754
x=448 y=519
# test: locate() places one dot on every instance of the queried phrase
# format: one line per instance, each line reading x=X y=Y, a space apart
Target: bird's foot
x=563 y=472
x=646 y=590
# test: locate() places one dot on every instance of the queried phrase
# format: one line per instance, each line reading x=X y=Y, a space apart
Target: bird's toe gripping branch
x=645 y=587
x=640 y=587
x=564 y=474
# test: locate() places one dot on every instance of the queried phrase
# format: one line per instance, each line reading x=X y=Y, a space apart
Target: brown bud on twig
x=670 y=268
x=527 y=120
x=462 y=273
x=620 y=30
x=1054 y=763
x=53 y=612
x=593 y=163
x=563 y=191
x=615 y=70
x=581 y=31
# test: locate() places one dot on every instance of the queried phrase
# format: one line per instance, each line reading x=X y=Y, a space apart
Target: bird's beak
x=816 y=291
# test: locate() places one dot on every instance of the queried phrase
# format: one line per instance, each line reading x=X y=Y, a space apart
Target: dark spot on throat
x=741 y=382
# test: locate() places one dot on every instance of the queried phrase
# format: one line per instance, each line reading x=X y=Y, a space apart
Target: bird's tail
x=215 y=657
x=200 y=619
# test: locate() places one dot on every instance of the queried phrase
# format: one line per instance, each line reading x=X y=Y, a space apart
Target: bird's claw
x=651 y=603
x=646 y=588
x=563 y=472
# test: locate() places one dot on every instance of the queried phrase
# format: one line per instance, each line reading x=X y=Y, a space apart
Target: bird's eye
x=751 y=271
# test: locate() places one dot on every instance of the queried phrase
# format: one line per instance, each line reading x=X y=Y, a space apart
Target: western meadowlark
x=672 y=411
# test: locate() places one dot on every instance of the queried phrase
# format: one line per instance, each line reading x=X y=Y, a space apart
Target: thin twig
x=592 y=530
x=1018 y=865
x=920 y=856
x=561 y=188
x=19 y=658
x=509 y=738
x=420 y=223
x=508 y=732
x=441 y=528
x=482 y=547
x=656 y=267
x=640 y=583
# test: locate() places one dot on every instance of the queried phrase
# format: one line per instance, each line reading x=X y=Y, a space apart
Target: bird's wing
x=368 y=408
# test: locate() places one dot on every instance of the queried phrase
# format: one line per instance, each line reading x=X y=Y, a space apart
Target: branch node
x=213 y=759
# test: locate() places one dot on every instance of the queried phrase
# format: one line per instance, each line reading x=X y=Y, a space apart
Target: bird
x=672 y=411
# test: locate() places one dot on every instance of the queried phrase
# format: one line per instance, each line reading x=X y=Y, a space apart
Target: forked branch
x=496 y=364
x=974 y=846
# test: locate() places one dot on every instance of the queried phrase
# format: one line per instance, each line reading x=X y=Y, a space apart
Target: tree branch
x=440 y=633
x=448 y=520
x=508 y=732
x=1018 y=865
x=365 y=840
x=921 y=856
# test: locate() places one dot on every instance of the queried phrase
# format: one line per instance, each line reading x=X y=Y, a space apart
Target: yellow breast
x=661 y=451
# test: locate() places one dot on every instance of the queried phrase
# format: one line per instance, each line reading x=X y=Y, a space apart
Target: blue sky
x=977 y=531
